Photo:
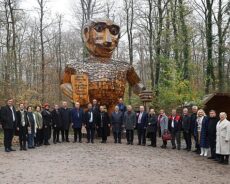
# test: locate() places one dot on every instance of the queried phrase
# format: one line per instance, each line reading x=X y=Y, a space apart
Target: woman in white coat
x=223 y=138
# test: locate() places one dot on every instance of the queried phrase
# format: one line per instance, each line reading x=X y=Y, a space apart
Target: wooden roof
x=220 y=102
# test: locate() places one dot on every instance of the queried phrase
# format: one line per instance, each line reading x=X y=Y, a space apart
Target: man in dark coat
x=9 y=123
x=56 y=124
x=142 y=122
x=66 y=121
x=91 y=118
x=47 y=122
x=186 y=129
x=116 y=122
x=22 y=126
x=77 y=119
x=174 y=127
x=129 y=122
x=193 y=118
x=121 y=106
x=212 y=122
x=103 y=124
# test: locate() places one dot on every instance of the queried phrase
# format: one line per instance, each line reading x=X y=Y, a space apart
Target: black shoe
x=139 y=144
x=163 y=147
x=174 y=147
x=154 y=146
x=131 y=143
x=211 y=158
x=128 y=143
x=55 y=142
x=80 y=141
x=12 y=149
x=92 y=142
x=24 y=149
x=67 y=140
x=21 y=148
x=58 y=141
x=150 y=145
x=7 y=150
x=185 y=149
x=73 y=141
x=188 y=149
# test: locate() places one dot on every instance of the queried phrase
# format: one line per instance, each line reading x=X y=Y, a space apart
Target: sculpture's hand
x=67 y=90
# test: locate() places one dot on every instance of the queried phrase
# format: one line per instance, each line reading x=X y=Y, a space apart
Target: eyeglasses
x=101 y=26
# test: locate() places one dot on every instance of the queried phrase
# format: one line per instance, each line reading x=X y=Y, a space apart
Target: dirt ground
x=73 y=163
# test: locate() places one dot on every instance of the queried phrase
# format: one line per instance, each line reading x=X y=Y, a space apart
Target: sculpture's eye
x=99 y=27
x=114 y=30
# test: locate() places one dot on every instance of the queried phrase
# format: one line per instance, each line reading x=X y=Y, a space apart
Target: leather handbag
x=167 y=136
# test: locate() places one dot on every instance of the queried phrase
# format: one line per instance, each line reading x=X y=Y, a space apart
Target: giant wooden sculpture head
x=101 y=37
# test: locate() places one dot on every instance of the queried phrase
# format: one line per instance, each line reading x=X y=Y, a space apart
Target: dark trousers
x=212 y=144
x=159 y=130
x=65 y=135
x=8 y=137
x=46 y=133
x=176 y=140
x=77 y=132
x=103 y=133
x=22 y=137
x=141 y=136
x=129 y=136
x=56 y=132
x=117 y=137
x=90 y=133
x=187 y=137
x=39 y=137
x=153 y=138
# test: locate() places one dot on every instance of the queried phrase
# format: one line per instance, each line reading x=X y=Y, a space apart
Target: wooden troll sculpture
x=99 y=76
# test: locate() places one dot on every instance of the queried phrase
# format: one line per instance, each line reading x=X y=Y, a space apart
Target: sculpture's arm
x=134 y=81
x=66 y=85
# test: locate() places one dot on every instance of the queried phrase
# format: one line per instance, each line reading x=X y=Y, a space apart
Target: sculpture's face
x=101 y=37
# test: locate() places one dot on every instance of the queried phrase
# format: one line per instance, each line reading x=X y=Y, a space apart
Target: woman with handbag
x=163 y=119
x=152 y=127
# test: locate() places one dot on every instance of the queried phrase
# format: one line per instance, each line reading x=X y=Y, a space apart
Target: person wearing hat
x=47 y=122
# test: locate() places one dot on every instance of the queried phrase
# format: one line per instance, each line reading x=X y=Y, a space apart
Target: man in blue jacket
x=77 y=118
x=142 y=122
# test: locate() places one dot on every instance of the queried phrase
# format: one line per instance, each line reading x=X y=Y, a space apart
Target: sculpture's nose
x=108 y=39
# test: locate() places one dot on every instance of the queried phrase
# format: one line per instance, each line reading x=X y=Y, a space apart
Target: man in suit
x=95 y=106
x=174 y=127
x=116 y=122
x=91 y=118
x=186 y=129
x=212 y=122
x=103 y=123
x=193 y=118
x=56 y=123
x=142 y=122
x=9 y=123
x=129 y=122
x=66 y=121
x=121 y=106
x=22 y=126
x=77 y=118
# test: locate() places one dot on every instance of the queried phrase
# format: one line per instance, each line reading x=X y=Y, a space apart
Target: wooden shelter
x=220 y=102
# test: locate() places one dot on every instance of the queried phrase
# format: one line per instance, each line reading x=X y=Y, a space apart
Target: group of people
x=35 y=126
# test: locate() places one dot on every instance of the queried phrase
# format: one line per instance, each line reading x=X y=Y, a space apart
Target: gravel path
x=74 y=163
